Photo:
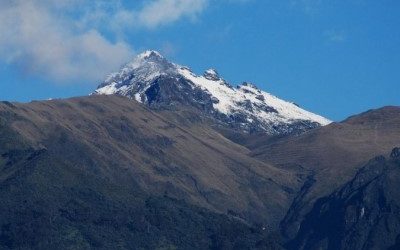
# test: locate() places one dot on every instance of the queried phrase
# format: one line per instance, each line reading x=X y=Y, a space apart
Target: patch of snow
x=108 y=89
x=212 y=72
x=231 y=100
x=287 y=110
x=137 y=97
x=217 y=89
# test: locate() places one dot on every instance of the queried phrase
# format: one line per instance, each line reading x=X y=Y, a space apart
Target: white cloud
x=62 y=39
x=37 y=38
x=166 y=11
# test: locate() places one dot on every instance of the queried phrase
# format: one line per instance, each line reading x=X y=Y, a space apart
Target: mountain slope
x=123 y=144
x=363 y=214
x=330 y=156
x=153 y=80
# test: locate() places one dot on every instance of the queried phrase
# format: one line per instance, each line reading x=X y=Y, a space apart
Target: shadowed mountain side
x=363 y=214
x=124 y=143
x=331 y=155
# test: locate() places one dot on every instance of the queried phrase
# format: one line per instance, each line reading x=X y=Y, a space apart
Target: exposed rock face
x=363 y=214
x=395 y=153
x=212 y=75
x=153 y=80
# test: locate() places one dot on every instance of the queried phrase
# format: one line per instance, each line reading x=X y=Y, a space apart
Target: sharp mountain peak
x=153 y=80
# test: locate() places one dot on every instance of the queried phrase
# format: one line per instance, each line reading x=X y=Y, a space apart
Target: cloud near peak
x=51 y=38
x=166 y=11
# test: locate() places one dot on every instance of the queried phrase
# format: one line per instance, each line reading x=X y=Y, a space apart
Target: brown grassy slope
x=124 y=142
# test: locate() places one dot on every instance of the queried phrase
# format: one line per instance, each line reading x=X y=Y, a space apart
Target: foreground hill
x=104 y=170
x=108 y=172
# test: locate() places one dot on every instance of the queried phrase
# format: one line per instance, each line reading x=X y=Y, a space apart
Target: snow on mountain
x=150 y=78
x=263 y=105
x=139 y=73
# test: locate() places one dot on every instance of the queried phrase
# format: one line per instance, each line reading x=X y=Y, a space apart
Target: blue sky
x=335 y=58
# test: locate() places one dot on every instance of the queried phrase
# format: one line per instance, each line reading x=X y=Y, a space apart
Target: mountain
x=153 y=80
x=330 y=156
x=107 y=172
x=363 y=214
x=104 y=171
x=194 y=163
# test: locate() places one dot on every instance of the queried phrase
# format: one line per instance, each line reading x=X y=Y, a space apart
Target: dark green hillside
x=48 y=203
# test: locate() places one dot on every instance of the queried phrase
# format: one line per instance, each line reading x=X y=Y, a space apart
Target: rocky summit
x=153 y=80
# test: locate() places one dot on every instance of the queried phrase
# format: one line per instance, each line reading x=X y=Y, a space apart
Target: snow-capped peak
x=151 y=78
x=140 y=72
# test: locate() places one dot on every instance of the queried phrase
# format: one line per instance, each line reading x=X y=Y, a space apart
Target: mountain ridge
x=153 y=80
